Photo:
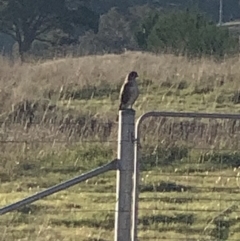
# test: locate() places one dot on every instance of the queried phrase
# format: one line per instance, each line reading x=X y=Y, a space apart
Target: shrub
x=185 y=32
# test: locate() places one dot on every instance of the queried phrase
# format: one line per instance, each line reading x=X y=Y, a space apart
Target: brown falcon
x=129 y=91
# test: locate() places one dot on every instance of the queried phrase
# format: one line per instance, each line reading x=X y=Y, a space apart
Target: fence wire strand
x=189 y=180
x=190 y=185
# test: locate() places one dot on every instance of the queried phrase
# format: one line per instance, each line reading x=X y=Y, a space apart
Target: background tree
x=116 y=31
x=114 y=35
x=210 y=7
x=6 y=44
x=43 y=20
x=187 y=32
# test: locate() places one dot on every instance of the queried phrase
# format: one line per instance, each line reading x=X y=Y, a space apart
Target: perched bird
x=129 y=91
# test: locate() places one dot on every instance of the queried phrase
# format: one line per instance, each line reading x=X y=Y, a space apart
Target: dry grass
x=80 y=95
x=30 y=81
x=190 y=171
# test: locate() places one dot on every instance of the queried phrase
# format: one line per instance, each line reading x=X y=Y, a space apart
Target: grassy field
x=58 y=120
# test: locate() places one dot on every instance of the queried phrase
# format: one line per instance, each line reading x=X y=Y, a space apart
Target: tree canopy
x=43 y=20
x=44 y=28
x=184 y=32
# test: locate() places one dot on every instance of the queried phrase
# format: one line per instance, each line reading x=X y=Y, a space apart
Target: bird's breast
x=134 y=93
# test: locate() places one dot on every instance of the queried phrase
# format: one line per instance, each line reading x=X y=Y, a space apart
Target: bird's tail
x=120 y=107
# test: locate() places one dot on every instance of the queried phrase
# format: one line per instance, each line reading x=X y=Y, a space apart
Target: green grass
x=161 y=97
x=175 y=202
x=189 y=168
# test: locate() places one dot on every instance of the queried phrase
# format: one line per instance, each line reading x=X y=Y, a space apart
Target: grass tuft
x=57 y=121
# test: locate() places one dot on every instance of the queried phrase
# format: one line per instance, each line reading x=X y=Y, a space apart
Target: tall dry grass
x=30 y=80
x=34 y=151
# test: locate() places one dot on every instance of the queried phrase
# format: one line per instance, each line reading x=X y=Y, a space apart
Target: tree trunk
x=24 y=47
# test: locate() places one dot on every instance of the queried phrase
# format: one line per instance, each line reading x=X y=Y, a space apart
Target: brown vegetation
x=58 y=120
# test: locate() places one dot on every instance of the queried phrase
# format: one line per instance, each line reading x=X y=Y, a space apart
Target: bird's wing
x=125 y=93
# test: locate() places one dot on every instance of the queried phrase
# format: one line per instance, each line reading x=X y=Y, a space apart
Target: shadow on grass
x=94 y=222
x=164 y=219
x=28 y=214
x=31 y=209
x=164 y=187
x=174 y=200
x=65 y=169
x=4 y=177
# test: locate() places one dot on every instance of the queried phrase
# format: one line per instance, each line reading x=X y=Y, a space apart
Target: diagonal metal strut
x=113 y=165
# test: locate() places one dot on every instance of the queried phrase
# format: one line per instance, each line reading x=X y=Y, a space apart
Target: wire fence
x=190 y=185
x=74 y=132
x=189 y=181
x=42 y=156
